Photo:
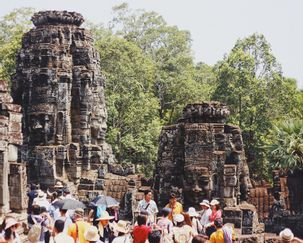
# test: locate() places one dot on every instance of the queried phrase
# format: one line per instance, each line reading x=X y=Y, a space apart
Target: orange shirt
x=82 y=226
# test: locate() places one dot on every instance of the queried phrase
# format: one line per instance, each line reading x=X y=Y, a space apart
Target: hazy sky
x=215 y=25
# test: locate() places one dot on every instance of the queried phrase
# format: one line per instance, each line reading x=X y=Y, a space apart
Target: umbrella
x=105 y=201
x=68 y=204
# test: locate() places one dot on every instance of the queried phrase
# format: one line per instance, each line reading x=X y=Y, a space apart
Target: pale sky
x=215 y=25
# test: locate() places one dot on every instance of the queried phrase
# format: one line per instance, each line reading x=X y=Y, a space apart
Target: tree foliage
x=250 y=81
x=286 y=148
x=12 y=28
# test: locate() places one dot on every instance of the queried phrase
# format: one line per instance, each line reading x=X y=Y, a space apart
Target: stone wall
x=12 y=172
x=59 y=84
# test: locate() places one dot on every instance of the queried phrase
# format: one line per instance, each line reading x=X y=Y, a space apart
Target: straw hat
x=91 y=234
x=286 y=234
x=178 y=218
x=122 y=226
x=58 y=185
x=214 y=202
x=192 y=212
x=205 y=203
x=9 y=222
x=41 y=193
x=105 y=216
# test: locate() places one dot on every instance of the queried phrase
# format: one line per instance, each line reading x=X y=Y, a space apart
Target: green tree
x=286 y=148
x=170 y=50
x=12 y=28
x=133 y=121
x=250 y=81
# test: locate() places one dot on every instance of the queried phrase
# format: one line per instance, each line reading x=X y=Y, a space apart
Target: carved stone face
x=196 y=184
x=98 y=125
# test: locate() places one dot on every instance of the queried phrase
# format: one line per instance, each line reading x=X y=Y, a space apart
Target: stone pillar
x=4 y=171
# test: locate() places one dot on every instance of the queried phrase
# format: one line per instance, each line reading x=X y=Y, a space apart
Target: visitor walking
x=175 y=206
x=123 y=230
x=77 y=229
x=149 y=205
x=166 y=226
x=182 y=233
x=105 y=231
x=221 y=235
x=205 y=214
x=9 y=232
x=195 y=223
x=91 y=235
x=59 y=235
x=216 y=213
x=141 y=231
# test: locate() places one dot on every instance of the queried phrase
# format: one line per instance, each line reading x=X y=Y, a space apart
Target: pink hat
x=9 y=222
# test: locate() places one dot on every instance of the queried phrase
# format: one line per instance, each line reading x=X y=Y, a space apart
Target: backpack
x=35 y=231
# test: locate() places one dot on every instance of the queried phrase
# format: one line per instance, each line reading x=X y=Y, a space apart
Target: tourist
x=67 y=220
x=141 y=231
x=105 y=231
x=48 y=222
x=220 y=235
x=166 y=226
x=199 y=239
x=205 y=214
x=39 y=219
x=32 y=194
x=175 y=206
x=59 y=235
x=33 y=235
x=77 y=229
x=154 y=236
x=195 y=223
x=182 y=233
x=41 y=200
x=91 y=235
x=287 y=236
x=123 y=229
x=67 y=194
x=216 y=213
x=148 y=205
x=9 y=233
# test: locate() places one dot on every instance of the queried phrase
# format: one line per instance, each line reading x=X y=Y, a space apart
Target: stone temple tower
x=60 y=87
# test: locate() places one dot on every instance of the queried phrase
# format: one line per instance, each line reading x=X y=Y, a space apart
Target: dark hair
x=63 y=210
x=59 y=225
x=218 y=223
x=36 y=209
x=218 y=207
x=172 y=195
x=154 y=236
x=199 y=239
x=8 y=233
x=147 y=191
x=165 y=212
x=141 y=219
x=34 y=187
x=43 y=209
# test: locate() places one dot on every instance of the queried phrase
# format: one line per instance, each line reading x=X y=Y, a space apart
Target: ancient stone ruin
x=12 y=171
x=59 y=84
x=201 y=157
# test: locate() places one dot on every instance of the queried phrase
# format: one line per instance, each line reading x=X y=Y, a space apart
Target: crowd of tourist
x=50 y=224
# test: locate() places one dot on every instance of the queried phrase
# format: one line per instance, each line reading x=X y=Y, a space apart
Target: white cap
x=214 y=202
x=178 y=218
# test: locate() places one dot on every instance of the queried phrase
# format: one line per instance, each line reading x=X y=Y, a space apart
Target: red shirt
x=141 y=233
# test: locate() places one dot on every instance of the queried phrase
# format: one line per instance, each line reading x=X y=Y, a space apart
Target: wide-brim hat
x=214 y=202
x=178 y=218
x=192 y=212
x=205 y=203
x=286 y=234
x=58 y=185
x=9 y=222
x=79 y=212
x=105 y=216
x=91 y=234
x=122 y=226
x=41 y=193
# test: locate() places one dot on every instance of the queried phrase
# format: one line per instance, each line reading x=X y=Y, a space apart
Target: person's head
x=215 y=204
x=154 y=236
x=66 y=192
x=104 y=218
x=148 y=195
x=199 y=239
x=63 y=212
x=286 y=235
x=34 y=187
x=78 y=214
x=59 y=226
x=141 y=219
x=205 y=204
x=172 y=199
x=91 y=234
x=36 y=210
x=218 y=223
x=166 y=212
x=11 y=225
x=43 y=210
x=179 y=219
x=122 y=227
